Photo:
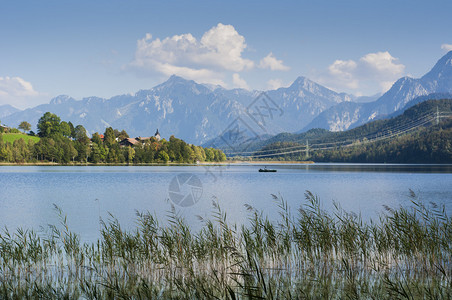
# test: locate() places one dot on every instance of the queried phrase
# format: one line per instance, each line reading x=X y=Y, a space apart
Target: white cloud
x=447 y=47
x=16 y=87
x=200 y=75
x=270 y=62
x=18 y=92
x=223 y=46
x=274 y=84
x=239 y=82
x=219 y=49
x=342 y=71
x=382 y=64
x=373 y=72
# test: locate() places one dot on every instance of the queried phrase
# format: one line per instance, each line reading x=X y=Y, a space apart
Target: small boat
x=266 y=170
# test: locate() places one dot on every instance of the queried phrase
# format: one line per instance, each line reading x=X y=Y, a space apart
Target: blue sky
x=105 y=48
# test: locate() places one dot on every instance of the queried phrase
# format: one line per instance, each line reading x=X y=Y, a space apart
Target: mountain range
x=6 y=110
x=348 y=115
x=198 y=113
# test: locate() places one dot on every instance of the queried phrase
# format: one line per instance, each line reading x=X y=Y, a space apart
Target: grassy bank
x=310 y=254
x=11 y=137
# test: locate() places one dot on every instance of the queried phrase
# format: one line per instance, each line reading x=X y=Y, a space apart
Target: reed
x=312 y=254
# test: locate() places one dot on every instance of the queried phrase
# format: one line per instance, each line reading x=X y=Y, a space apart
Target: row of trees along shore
x=62 y=142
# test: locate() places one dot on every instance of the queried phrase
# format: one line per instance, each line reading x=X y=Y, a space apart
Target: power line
x=401 y=130
x=350 y=140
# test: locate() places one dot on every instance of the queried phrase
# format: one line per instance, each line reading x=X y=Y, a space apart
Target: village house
x=4 y=128
x=138 y=140
x=129 y=142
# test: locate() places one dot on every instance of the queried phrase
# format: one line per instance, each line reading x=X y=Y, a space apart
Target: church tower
x=157 y=135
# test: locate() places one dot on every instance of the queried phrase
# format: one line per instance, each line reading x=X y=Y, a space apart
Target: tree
x=121 y=135
x=72 y=151
x=65 y=129
x=48 y=125
x=80 y=134
x=130 y=154
x=96 y=139
x=109 y=137
x=210 y=155
x=163 y=156
x=83 y=151
x=95 y=153
x=25 y=126
x=72 y=130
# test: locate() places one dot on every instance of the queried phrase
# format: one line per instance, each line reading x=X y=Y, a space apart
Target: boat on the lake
x=266 y=170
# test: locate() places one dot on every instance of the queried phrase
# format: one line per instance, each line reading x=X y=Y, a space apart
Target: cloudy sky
x=105 y=48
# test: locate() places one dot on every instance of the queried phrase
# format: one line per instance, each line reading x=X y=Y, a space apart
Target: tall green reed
x=312 y=254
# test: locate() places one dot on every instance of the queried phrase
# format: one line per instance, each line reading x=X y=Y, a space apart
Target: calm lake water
x=27 y=193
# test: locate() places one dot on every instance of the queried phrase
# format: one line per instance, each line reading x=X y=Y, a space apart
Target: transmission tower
x=437 y=115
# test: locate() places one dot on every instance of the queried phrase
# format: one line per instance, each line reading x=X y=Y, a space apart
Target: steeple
x=157 y=135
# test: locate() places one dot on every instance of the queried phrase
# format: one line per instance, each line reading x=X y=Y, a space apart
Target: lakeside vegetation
x=63 y=143
x=311 y=254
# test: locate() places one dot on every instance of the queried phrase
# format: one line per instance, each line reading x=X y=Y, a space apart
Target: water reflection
x=85 y=194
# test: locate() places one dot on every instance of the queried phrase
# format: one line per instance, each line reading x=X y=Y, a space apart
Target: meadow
x=11 y=137
x=307 y=254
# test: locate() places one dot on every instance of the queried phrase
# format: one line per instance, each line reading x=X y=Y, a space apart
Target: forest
x=63 y=143
x=375 y=142
x=426 y=145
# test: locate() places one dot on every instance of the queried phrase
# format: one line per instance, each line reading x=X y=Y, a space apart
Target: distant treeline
x=426 y=145
x=62 y=142
x=430 y=144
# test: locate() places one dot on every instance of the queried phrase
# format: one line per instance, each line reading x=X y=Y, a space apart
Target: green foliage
x=14 y=130
x=163 y=156
x=120 y=134
x=65 y=129
x=109 y=137
x=48 y=125
x=63 y=143
x=25 y=126
x=312 y=254
x=96 y=139
x=72 y=128
x=80 y=134
x=429 y=143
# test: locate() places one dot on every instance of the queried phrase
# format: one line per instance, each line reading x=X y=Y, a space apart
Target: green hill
x=11 y=137
x=413 y=137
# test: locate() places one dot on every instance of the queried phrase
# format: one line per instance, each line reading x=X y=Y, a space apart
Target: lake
x=87 y=193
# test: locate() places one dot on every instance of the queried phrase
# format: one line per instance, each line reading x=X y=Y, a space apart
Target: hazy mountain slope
x=302 y=102
x=6 y=110
x=191 y=111
x=344 y=116
x=410 y=117
x=199 y=113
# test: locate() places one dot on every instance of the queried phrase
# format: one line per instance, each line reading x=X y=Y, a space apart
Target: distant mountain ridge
x=194 y=112
x=200 y=113
x=6 y=110
x=344 y=115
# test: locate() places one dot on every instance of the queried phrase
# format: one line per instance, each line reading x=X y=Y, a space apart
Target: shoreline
x=157 y=164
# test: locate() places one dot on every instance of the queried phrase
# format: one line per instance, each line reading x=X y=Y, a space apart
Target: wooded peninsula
x=61 y=142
